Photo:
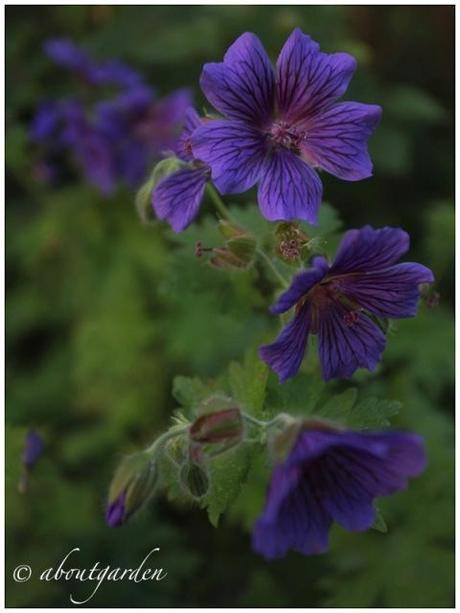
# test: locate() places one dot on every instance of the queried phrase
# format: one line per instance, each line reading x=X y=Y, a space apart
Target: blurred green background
x=103 y=312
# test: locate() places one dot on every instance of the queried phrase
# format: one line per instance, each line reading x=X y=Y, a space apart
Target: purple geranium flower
x=332 y=475
x=282 y=124
x=177 y=198
x=341 y=303
x=142 y=127
x=68 y=55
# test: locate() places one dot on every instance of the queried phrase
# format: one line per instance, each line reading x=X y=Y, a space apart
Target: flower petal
x=308 y=80
x=183 y=147
x=301 y=524
x=300 y=285
x=343 y=347
x=368 y=249
x=289 y=189
x=234 y=151
x=285 y=355
x=336 y=139
x=392 y=292
x=177 y=198
x=365 y=466
x=242 y=86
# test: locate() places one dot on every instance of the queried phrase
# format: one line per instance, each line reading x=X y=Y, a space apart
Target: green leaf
x=189 y=392
x=409 y=103
x=248 y=382
x=299 y=396
x=338 y=407
x=228 y=472
x=372 y=413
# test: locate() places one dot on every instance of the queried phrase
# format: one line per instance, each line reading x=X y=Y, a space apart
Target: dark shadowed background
x=100 y=317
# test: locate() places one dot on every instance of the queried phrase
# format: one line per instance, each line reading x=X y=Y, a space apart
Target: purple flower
x=33 y=449
x=341 y=303
x=141 y=128
x=332 y=475
x=68 y=55
x=177 y=198
x=282 y=124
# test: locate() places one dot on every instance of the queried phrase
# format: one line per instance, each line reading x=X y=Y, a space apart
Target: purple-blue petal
x=116 y=511
x=285 y=355
x=46 y=121
x=336 y=139
x=192 y=121
x=234 y=151
x=300 y=524
x=289 y=188
x=65 y=53
x=368 y=249
x=95 y=154
x=308 y=80
x=301 y=284
x=345 y=346
x=392 y=292
x=177 y=198
x=242 y=86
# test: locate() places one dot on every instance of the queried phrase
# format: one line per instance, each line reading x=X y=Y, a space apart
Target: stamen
x=351 y=318
x=287 y=136
x=199 y=249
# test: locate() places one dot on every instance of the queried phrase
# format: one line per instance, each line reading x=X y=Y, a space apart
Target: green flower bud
x=239 y=249
x=226 y=260
x=132 y=485
x=294 y=245
x=194 y=479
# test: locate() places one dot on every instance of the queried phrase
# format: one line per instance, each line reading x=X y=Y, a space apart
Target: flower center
x=188 y=147
x=326 y=295
x=285 y=135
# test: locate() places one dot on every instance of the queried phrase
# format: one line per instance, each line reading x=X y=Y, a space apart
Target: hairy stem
x=266 y=424
x=161 y=440
x=218 y=202
x=276 y=273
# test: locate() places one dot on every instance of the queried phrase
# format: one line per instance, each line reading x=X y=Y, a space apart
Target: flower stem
x=218 y=202
x=161 y=440
x=266 y=424
x=272 y=267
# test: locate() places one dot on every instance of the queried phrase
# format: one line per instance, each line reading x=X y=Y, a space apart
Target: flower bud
x=239 y=249
x=226 y=260
x=33 y=449
x=293 y=244
x=132 y=485
x=217 y=431
x=194 y=479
